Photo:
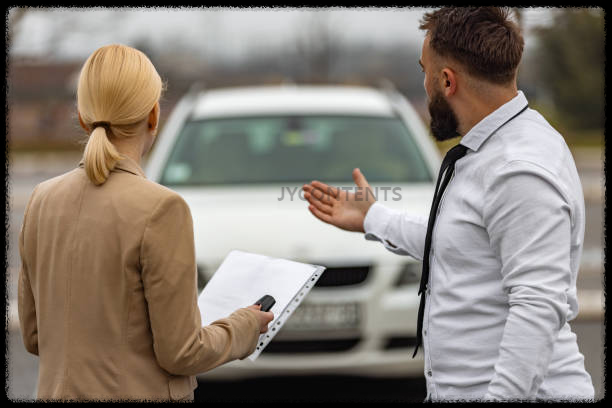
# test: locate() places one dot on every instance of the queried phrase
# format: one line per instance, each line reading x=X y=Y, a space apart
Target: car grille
x=310 y=346
x=343 y=276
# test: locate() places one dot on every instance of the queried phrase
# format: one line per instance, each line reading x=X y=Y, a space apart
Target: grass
x=575 y=139
x=446 y=145
x=585 y=138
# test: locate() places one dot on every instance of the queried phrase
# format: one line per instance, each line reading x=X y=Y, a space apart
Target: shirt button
x=429 y=373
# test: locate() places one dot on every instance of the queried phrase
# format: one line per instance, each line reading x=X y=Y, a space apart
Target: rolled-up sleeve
x=400 y=232
x=528 y=219
x=182 y=346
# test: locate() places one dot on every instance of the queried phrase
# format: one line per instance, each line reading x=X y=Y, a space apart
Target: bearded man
x=501 y=248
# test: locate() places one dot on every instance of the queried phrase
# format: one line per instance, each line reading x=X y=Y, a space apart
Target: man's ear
x=449 y=81
x=85 y=128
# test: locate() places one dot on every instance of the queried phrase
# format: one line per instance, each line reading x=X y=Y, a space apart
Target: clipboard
x=245 y=277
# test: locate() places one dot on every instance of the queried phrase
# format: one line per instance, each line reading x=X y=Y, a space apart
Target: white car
x=239 y=157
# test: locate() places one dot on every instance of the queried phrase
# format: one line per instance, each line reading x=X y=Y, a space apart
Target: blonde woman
x=107 y=288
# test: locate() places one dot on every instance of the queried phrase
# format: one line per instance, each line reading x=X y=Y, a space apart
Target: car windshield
x=294 y=149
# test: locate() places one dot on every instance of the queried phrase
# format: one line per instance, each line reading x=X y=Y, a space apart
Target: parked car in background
x=239 y=157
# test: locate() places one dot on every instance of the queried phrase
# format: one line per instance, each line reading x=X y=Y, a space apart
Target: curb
x=51 y=162
x=590 y=305
x=13 y=317
x=19 y=200
x=593 y=191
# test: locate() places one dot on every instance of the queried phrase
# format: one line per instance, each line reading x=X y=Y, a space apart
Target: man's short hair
x=482 y=39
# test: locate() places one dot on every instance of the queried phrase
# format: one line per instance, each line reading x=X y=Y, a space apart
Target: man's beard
x=444 y=122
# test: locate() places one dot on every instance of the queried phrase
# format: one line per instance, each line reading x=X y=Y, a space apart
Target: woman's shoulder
x=121 y=187
x=157 y=205
x=63 y=181
x=161 y=192
x=144 y=194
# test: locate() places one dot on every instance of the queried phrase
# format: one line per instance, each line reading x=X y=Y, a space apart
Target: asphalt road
x=23 y=371
x=355 y=389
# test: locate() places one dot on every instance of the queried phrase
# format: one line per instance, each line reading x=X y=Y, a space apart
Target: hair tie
x=106 y=125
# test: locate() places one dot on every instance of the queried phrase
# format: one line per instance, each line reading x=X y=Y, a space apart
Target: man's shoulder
x=531 y=147
x=534 y=121
x=532 y=140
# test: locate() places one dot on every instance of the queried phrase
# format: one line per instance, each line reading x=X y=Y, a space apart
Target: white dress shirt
x=504 y=259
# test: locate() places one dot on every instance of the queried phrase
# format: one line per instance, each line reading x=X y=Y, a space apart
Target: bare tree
x=317 y=47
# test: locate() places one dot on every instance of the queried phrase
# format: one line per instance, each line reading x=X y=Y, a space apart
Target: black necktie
x=448 y=165
x=446 y=171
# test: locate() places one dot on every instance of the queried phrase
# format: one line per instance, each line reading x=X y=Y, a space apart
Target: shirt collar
x=489 y=125
x=125 y=164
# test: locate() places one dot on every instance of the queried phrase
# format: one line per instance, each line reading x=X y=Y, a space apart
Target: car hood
x=269 y=220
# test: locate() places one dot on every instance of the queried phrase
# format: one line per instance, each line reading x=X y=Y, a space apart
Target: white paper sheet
x=243 y=278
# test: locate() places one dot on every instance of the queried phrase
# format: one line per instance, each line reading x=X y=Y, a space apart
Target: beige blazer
x=108 y=292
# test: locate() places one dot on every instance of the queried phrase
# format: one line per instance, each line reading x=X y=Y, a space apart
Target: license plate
x=324 y=316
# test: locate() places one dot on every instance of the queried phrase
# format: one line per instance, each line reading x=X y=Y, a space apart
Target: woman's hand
x=339 y=207
x=264 y=318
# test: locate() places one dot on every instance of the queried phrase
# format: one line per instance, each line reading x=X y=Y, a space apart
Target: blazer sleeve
x=26 y=306
x=182 y=346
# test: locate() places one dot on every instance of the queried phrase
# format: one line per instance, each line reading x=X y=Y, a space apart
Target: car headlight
x=410 y=274
x=202 y=279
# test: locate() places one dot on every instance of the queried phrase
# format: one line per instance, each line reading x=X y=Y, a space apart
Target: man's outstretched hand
x=344 y=209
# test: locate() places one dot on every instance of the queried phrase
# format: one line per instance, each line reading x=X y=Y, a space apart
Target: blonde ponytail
x=100 y=156
x=119 y=86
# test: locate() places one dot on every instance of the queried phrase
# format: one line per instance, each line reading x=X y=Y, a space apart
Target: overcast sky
x=73 y=33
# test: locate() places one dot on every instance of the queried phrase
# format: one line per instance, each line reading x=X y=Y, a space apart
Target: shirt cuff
x=376 y=221
x=376 y=227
